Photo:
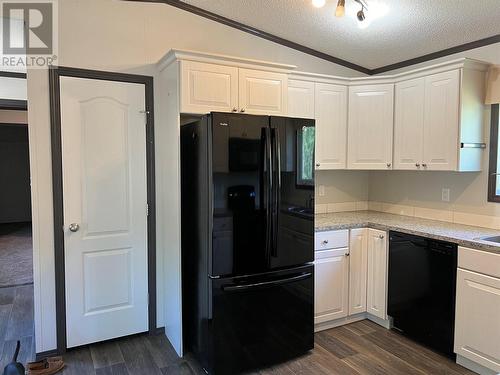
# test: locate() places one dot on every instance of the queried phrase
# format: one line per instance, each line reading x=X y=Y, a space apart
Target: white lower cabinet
x=331 y=269
x=358 y=262
x=477 y=320
x=350 y=281
x=376 y=298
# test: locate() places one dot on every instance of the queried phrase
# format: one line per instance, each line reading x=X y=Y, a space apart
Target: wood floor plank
x=336 y=347
x=116 y=369
x=137 y=357
x=320 y=361
x=415 y=354
x=365 y=365
x=161 y=350
x=21 y=318
x=375 y=354
x=106 y=354
x=362 y=327
x=7 y=295
x=78 y=362
x=179 y=368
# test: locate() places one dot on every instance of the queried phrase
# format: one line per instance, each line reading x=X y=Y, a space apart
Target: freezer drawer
x=261 y=320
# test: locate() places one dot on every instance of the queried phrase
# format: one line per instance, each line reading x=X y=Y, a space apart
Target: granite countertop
x=463 y=235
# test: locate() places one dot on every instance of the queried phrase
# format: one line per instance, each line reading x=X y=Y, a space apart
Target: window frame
x=494 y=147
x=301 y=183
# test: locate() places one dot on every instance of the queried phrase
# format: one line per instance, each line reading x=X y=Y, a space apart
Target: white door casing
x=105 y=192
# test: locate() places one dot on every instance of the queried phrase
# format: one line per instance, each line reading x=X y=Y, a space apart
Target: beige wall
x=13 y=117
x=129 y=37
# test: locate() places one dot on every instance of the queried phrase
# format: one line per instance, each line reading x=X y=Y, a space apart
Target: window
x=305 y=157
x=494 y=171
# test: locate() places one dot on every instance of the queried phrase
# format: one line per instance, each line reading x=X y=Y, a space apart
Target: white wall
x=128 y=37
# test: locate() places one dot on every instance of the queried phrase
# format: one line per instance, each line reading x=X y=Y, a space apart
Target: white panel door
x=477 y=322
x=300 y=99
x=331 y=126
x=370 y=127
x=442 y=104
x=358 y=263
x=376 y=298
x=409 y=124
x=262 y=93
x=105 y=194
x=331 y=285
x=208 y=87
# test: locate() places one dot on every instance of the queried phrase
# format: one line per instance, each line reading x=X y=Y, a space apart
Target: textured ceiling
x=409 y=28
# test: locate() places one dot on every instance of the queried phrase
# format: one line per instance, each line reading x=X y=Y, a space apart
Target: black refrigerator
x=247 y=187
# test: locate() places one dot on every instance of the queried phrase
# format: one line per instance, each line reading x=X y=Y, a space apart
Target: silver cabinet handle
x=242 y=110
x=235 y=109
x=73 y=227
x=318 y=164
x=389 y=165
x=347 y=254
x=424 y=165
x=325 y=242
x=417 y=165
x=381 y=236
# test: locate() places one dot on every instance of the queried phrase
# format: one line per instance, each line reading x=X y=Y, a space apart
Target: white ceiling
x=410 y=28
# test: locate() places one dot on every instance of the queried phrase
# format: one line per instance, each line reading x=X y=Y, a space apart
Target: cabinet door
x=477 y=321
x=331 y=126
x=370 y=127
x=358 y=263
x=442 y=103
x=409 y=124
x=208 y=87
x=331 y=278
x=300 y=99
x=262 y=93
x=376 y=298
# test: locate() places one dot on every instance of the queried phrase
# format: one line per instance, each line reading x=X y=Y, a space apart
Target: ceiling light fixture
x=340 y=10
x=319 y=3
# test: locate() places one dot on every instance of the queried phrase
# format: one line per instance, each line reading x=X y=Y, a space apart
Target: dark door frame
x=57 y=185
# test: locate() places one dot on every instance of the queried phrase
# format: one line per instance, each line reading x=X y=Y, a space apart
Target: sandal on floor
x=46 y=367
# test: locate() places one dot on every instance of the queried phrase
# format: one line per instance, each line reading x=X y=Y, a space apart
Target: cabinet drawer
x=479 y=261
x=331 y=240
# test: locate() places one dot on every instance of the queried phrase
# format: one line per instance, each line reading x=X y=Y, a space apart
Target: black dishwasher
x=422 y=283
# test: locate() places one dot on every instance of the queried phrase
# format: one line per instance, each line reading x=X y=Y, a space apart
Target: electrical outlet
x=445 y=195
x=321 y=190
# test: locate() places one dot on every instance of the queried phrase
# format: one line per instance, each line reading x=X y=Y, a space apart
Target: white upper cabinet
x=409 y=124
x=441 y=114
x=331 y=126
x=370 y=127
x=208 y=87
x=300 y=99
x=262 y=93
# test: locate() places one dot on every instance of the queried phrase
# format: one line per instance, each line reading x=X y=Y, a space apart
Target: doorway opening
x=16 y=245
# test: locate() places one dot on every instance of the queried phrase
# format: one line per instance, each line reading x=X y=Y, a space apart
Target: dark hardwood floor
x=359 y=348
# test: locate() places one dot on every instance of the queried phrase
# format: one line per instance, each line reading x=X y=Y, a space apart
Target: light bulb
x=340 y=11
x=318 y=3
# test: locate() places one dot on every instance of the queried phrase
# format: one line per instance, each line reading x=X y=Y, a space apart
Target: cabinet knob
x=325 y=242
x=389 y=165
x=417 y=165
x=346 y=254
x=242 y=110
x=317 y=164
x=381 y=236
x=235 y=109
x=424 y=165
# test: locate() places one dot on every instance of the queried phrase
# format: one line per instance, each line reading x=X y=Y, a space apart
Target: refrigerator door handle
x=268 y=173
x=276 y=188
x=242 y=287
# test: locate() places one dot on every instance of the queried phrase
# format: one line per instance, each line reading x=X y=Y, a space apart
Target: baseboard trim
x=47 y=354
x=473 y=366
x=352 y=319
x=157 y=331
